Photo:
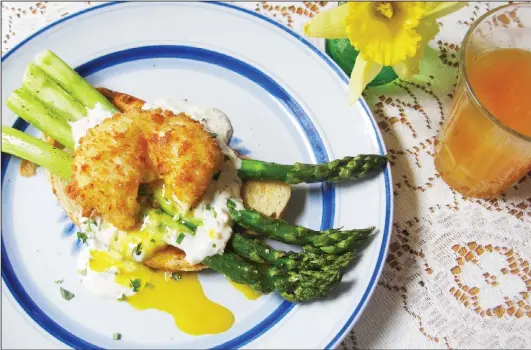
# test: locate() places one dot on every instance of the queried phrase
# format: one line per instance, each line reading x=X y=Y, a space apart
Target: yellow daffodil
x=385 y=34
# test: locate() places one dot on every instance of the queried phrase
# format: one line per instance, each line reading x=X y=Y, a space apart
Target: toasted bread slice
x=269 y=198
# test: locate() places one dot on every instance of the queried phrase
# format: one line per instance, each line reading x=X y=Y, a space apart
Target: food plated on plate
x=157 y=194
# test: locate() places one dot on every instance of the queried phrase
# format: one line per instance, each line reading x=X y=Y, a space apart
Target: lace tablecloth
x=458 y=272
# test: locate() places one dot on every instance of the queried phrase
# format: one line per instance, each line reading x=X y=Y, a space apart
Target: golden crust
x=183 y=154
x=113 y=158
x=108 y=167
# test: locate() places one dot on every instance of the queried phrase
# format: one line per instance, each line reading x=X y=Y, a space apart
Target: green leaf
x=67 y=295
x=176 y=276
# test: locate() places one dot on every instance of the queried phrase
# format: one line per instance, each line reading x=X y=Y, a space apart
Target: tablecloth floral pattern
x=458 y=273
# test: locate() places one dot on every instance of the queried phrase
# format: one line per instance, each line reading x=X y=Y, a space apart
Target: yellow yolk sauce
x=247 y=291
x=179 y=295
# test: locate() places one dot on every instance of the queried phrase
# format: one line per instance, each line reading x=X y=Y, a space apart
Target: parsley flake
x=180 y=238
x=136 y=284
x=67 y=295
x=116 y=336
x=82 y=236
x=208 y=207
x=60 y=281
x=213 y=134
x=138 y=249
x=216 y=176
x=176 y=276
x=226 y=157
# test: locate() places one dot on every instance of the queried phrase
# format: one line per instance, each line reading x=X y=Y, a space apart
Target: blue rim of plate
x=50 y=326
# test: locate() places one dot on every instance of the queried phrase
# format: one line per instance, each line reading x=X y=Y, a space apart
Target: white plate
x=287 y=102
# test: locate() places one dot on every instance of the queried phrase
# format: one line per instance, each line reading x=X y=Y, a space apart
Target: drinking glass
x=484 y=144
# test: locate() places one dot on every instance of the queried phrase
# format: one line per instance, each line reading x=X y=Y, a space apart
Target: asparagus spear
x=257 y=251
x=51 y=95
x=72 y=82
x=25 y=106
x=347 y=168
x=25 y=146
x=295 y=286
x=330 y=241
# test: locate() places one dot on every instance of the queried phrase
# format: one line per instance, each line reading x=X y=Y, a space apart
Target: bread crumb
x=27 y=168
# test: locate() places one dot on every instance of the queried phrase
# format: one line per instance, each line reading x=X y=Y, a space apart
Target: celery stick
x=72 y=82
x=25 y=146
x=50 y=94
x=25 y=106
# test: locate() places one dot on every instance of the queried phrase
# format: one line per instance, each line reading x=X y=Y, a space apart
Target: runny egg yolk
x=247 y=291
x=181 y=297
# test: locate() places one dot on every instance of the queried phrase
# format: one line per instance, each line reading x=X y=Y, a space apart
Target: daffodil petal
x=408 y=68
x=441 y=9
x=329 y=24
x=362 y=74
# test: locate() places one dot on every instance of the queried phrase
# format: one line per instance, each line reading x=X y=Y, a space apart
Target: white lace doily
x=458 y=273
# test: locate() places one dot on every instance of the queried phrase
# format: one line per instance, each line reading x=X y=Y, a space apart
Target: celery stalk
x=25 y=146
x=28 y=108
x=72 y=82
x=51 y=95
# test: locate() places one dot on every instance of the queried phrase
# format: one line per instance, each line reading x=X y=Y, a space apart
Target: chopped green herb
x=149 y=285
x=82 y=272
x=60 y=281
x=67 y=295
x=213 y=134
x=116 y=336
x=214 y=213
x=82 y=236
x=90 y=223
x=226 y=157
x=122 y=298
x=152 y=240
x=180 y=238
x=213 y=245
x=188 y=223
x=176 y=276
x=136 y=284
x=208 y=207
x=138 y=249
x=216 y=176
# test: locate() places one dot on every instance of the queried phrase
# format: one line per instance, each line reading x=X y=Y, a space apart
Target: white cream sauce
x=99 y=236
x=95 y=116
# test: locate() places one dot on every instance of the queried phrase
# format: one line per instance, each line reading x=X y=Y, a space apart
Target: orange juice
x=485 y=145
